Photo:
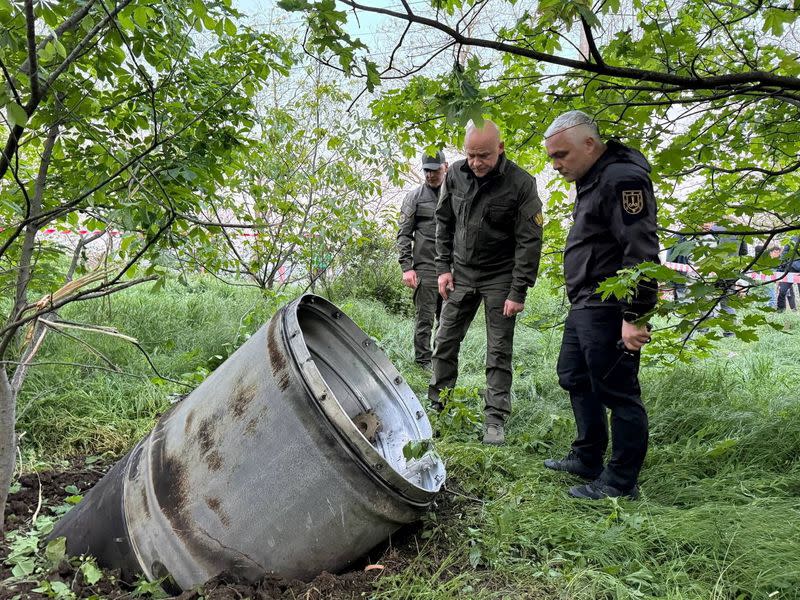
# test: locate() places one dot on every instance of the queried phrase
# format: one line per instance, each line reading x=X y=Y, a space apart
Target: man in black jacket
x=488 y=245
x=416 y=244
x=614 y=228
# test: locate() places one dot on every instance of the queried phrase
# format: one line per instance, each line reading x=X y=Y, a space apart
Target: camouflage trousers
x=428 y=306
x=458 y=312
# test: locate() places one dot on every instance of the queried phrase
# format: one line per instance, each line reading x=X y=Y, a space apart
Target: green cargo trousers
x=458 y=312
x=428 y=306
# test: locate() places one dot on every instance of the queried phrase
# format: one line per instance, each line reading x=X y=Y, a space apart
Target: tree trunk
x=8 y=440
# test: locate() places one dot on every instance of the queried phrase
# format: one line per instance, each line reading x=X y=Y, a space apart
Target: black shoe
x=597 y=490
x=572 y=464
x=437 y=406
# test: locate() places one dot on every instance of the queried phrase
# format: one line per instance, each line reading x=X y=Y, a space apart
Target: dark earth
x=356 y=583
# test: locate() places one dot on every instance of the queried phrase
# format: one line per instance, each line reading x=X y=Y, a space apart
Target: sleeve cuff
x=517 y=296
x=631 y=313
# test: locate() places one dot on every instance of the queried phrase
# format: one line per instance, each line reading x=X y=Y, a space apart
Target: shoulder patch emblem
x=538 y=219
x=632 y=201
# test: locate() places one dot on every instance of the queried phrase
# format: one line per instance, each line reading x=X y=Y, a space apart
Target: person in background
x=680 y=252
x=726 y=287
x=789 y=264
x=416 y=244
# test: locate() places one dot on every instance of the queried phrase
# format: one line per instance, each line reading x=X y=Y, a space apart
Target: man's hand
x=511 y=308
x=410 y=279
x=446 y=284
x=634 y=336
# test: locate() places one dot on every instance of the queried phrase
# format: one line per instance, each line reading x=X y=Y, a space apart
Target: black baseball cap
x=432 y=163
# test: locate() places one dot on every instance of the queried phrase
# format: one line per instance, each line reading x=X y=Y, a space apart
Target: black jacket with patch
x=614 y=228
x=489 y=229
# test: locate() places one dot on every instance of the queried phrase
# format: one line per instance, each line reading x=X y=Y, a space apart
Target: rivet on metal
x=398 y=380
x=419 y=414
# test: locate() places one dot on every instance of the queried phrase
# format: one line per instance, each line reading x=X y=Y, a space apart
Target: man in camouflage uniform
x=416 y=243
x=488 y=245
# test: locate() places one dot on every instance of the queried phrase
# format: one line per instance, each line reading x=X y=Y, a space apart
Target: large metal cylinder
x=287 y=460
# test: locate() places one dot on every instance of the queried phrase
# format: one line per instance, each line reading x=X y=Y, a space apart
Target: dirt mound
x=22 y=504
x=325 y=585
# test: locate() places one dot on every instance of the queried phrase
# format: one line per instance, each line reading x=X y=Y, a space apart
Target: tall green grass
x=719 y=516
x=78 y=406
x=720 y=512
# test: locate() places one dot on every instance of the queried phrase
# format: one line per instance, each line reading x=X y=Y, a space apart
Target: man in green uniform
x=416 y=243
x=488 y=245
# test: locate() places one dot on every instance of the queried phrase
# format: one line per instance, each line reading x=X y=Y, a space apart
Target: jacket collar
x=616 y=152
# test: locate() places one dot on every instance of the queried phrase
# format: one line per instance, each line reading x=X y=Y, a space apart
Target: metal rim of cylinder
x=347 y=432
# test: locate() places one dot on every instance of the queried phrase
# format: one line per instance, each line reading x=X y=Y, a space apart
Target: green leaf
x=16 y=114
x=23 y=567
x=90 y=572
x=293 y=5
x=230 y=27
x=722 y=448
x=55 y=551
x=62 y=51
x=140 y=16
x=47 y=53
x=416 y=449
x=157 y=285
x=588 y=15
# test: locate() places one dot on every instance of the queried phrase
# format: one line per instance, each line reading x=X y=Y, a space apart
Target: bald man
x=488 y=245
x=614 y=228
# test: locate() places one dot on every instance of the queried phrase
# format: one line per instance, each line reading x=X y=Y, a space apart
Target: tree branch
x=34 y=209
x=13 y=139
x=65 y=208
x=730 y=80
x=595 y=53
x=104 y=289
x=10 y=82
x=740 y=232
x=33 y=59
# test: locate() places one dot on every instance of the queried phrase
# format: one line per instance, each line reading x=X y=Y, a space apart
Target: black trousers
x=599 y=376
x=786 y=294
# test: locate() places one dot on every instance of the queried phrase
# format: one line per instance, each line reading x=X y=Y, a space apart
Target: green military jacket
x=416 y=235
x=489 y=230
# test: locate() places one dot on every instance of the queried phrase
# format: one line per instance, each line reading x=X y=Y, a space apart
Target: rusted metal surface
x=261 y=470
